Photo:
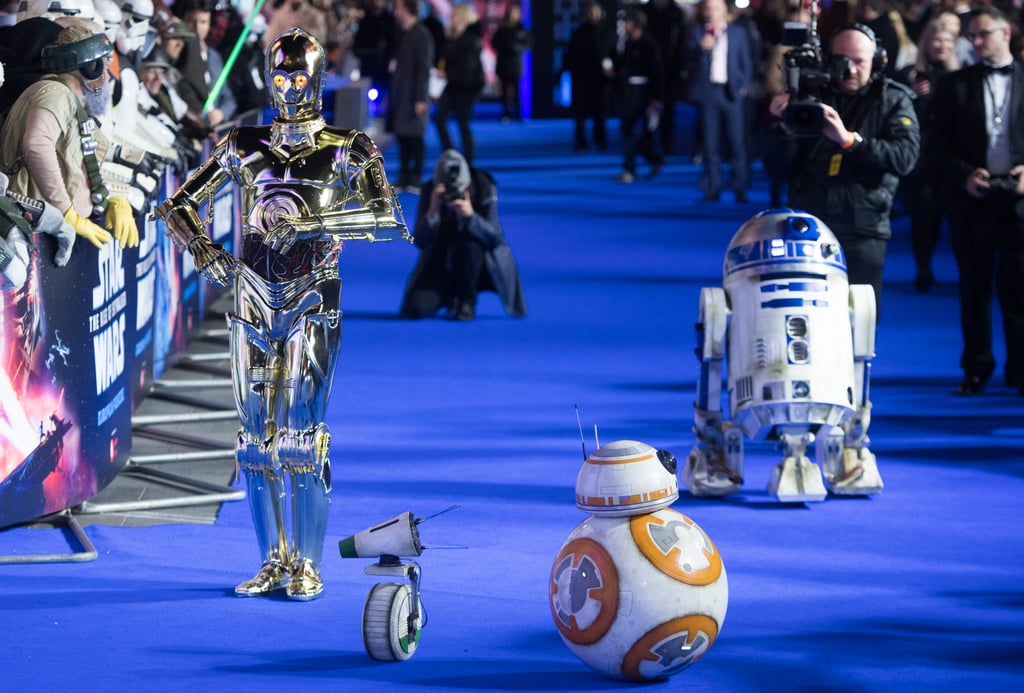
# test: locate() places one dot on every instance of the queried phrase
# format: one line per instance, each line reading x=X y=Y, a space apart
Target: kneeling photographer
x=462 y=247
x=845 y=137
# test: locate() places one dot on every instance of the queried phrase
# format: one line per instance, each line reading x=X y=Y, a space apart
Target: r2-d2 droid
x=798 y=340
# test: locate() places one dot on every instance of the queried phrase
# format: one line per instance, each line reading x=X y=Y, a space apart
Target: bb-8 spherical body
x=640 y=596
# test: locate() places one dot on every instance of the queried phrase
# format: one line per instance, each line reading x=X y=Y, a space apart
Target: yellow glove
x=121 y=220
x=86 y=229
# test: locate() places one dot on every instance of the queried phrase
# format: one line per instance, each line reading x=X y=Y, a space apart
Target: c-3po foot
x=272 y=576
x=305 y=583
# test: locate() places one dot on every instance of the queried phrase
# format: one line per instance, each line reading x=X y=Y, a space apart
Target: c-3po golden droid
x=306 y=187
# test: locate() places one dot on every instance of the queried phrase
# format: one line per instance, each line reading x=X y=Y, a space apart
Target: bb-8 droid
x=638 y=591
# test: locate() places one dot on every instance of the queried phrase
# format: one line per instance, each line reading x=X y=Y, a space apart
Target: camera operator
x=978 y=135
x=462 y=247
x=868 y=138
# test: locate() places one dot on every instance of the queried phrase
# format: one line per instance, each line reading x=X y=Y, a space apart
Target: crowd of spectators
x=181 y=72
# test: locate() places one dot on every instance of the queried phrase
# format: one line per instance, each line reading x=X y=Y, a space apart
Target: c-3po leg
x=282 y=387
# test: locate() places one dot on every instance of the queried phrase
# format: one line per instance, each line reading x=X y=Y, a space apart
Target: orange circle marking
x=686 y=630
x=666 y=556
x=606 y=591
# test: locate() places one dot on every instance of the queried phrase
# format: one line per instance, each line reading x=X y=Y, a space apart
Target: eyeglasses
x=983 y=34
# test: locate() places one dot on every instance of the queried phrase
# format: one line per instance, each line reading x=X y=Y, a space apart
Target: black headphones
x=86 y=56
x=880 y=58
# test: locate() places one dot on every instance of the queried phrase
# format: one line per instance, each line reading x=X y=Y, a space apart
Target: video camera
x=805 y=75
x=453 y=189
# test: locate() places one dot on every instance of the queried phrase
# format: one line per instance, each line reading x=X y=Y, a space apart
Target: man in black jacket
x=589 y=63
x=978 y=126
x=462 y=247
x=640 y=73
x=869 y=139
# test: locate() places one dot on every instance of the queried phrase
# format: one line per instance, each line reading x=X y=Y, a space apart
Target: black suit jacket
x=958 y=132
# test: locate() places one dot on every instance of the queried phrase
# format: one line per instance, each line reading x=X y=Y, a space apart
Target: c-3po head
x=294 y=75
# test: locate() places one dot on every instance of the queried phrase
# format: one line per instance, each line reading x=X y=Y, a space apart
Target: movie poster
x=65 y=401
x=172 y=276
x=141 y=309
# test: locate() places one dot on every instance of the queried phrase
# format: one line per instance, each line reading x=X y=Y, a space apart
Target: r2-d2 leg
x=796 y=479
x=715 y=464
x=848 y=465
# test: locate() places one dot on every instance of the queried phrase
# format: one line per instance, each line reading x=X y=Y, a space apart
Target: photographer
x=462 y=248
x=847 y=170
x=978 y=139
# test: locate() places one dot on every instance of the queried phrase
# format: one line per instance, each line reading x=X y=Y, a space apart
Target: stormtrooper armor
x=305 y=188
x=798 y=340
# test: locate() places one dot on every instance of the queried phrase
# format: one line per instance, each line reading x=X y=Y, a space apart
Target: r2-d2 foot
x=714 y=466
x=849 y=466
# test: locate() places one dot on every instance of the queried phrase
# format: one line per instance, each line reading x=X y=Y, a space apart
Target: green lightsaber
x=230 y=62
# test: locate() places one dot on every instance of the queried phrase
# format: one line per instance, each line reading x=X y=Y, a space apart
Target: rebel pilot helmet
x=294 y=74
x=78 y=49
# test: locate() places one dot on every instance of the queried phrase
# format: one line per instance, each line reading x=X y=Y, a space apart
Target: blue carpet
x=918 y=589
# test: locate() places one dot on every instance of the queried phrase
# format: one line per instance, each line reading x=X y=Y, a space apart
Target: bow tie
x=1006 y=69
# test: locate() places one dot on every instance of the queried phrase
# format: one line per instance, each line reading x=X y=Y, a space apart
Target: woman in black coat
x=510 y=41
x=464 y=73
x=936 y=57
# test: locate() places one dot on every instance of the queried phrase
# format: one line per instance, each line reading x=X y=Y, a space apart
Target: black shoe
x=462 y=312
x=971 y=385
x=655 y=170
x=741 y=197
x=923 y=282
x=710 y=197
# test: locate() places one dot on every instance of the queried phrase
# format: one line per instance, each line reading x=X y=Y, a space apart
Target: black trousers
x=637 y=138
x=461 y=103
x=865 y=260
x=589 y=102
x=452 y=273
x=988 y=243
x=411 y=154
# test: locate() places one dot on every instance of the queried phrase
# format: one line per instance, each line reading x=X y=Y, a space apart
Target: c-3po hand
x=288 y=230
x=215 y=264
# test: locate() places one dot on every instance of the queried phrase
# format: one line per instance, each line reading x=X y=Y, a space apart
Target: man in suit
x=978 y=126
x=723 y=76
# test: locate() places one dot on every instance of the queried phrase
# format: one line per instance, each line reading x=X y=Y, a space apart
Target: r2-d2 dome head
x=294 y=74
x=626 y=478
x=783 y=240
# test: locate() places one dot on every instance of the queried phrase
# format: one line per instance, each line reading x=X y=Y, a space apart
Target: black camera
x=805 y=75
x=1002 y=185
x=452 y=188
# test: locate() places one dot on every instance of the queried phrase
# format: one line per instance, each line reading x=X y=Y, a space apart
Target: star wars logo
x=107 y=322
